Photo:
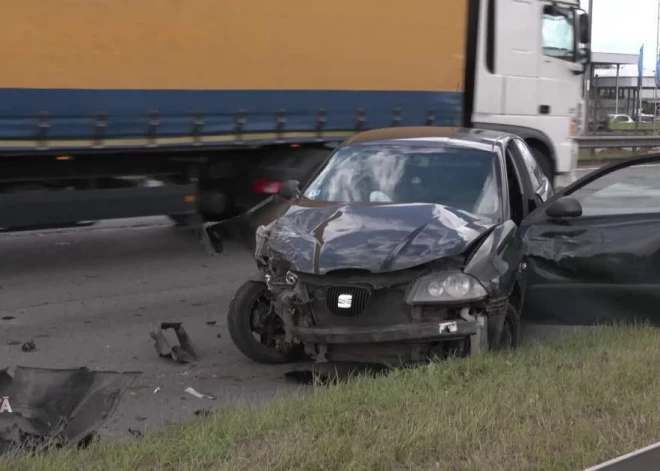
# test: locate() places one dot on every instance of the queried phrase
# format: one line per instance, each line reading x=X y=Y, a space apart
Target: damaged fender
x=496 y=264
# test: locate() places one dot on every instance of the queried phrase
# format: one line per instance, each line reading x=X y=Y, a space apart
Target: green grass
x=568 y=404
x=633 y=126
x=604 y=155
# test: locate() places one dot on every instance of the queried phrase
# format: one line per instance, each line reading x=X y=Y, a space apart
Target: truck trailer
x=218 y=102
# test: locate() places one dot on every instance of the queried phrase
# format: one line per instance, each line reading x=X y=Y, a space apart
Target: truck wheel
x=256 y=330
x=511 y=336
x=544 y=162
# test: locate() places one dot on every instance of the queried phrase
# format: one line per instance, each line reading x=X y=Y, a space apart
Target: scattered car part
x=29 y=346
x=197 y=394
x=182 y=353
x=50 y=407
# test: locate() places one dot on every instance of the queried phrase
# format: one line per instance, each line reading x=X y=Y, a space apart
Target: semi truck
x=201 y=109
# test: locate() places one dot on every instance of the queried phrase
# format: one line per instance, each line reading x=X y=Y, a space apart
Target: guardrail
x=610 y=142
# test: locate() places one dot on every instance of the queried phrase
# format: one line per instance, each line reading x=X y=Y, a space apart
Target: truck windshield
x=558 y=33
x=465 y=179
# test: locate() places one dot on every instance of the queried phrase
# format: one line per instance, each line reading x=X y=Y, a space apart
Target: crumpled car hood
x=317 y=239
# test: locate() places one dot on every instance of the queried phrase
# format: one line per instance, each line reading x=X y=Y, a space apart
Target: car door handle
x=544 y=109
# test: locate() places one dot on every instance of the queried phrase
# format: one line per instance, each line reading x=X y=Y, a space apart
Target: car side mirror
x=564 y=207
x=212 y=238
x=289 y=190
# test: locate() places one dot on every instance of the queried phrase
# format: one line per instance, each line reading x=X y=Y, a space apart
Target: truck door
x=558 y=86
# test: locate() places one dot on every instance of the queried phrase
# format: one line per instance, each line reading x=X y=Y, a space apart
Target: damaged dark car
x=407 y=244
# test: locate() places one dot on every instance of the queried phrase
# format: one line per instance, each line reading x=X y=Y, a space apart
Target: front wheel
x=256 y=330
x=511 y=331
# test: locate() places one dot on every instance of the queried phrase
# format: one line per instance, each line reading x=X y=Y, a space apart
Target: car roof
x=456 y=137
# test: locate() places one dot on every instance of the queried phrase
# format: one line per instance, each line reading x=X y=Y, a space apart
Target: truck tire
x=249 y=298
x=543 y=159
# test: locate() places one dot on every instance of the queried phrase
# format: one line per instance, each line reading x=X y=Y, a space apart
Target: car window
x=462 y=178
x=558 y=33
x=540 y=183
x=630 y=190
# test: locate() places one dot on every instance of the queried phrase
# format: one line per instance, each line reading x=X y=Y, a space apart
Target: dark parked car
x=413 y=243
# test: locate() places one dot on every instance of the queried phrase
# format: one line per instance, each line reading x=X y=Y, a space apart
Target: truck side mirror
x=584 y=33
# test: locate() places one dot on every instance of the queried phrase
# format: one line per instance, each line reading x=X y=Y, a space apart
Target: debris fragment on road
x=197 y=394
x=29 y=346
x=51 y=407
x=182 y=353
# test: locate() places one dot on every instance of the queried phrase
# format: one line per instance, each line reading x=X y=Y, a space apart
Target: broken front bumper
x=474 y=327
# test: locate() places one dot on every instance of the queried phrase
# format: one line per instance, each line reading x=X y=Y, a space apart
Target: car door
x=604 y=264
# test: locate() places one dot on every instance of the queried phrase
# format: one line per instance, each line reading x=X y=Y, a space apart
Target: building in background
x=610 y=87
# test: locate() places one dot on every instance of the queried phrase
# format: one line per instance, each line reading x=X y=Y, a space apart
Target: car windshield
x=464 y=179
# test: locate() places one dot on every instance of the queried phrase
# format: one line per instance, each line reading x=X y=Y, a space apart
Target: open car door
x=593 y=249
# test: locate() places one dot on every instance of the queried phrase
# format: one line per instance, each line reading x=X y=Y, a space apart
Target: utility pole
x=657 y=72
x=590 y=76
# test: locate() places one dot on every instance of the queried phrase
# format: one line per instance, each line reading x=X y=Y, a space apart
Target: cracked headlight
x=446 y=288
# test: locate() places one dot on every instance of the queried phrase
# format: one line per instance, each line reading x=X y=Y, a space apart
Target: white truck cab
x=528 y=79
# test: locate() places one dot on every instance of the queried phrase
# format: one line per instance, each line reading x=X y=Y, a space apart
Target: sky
x=623 y=26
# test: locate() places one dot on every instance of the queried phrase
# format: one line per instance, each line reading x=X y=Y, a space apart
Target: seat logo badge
x=344 y=301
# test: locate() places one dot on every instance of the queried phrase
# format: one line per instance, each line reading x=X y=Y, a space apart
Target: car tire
x=239 y=322
x=511 y=330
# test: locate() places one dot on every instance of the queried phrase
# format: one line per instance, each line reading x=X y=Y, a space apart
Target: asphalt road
x=88 y=296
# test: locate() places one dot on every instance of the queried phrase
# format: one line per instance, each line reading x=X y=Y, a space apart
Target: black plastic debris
x=29 y=346
x=42 y=407
x=182 y=353
x=324 y=374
